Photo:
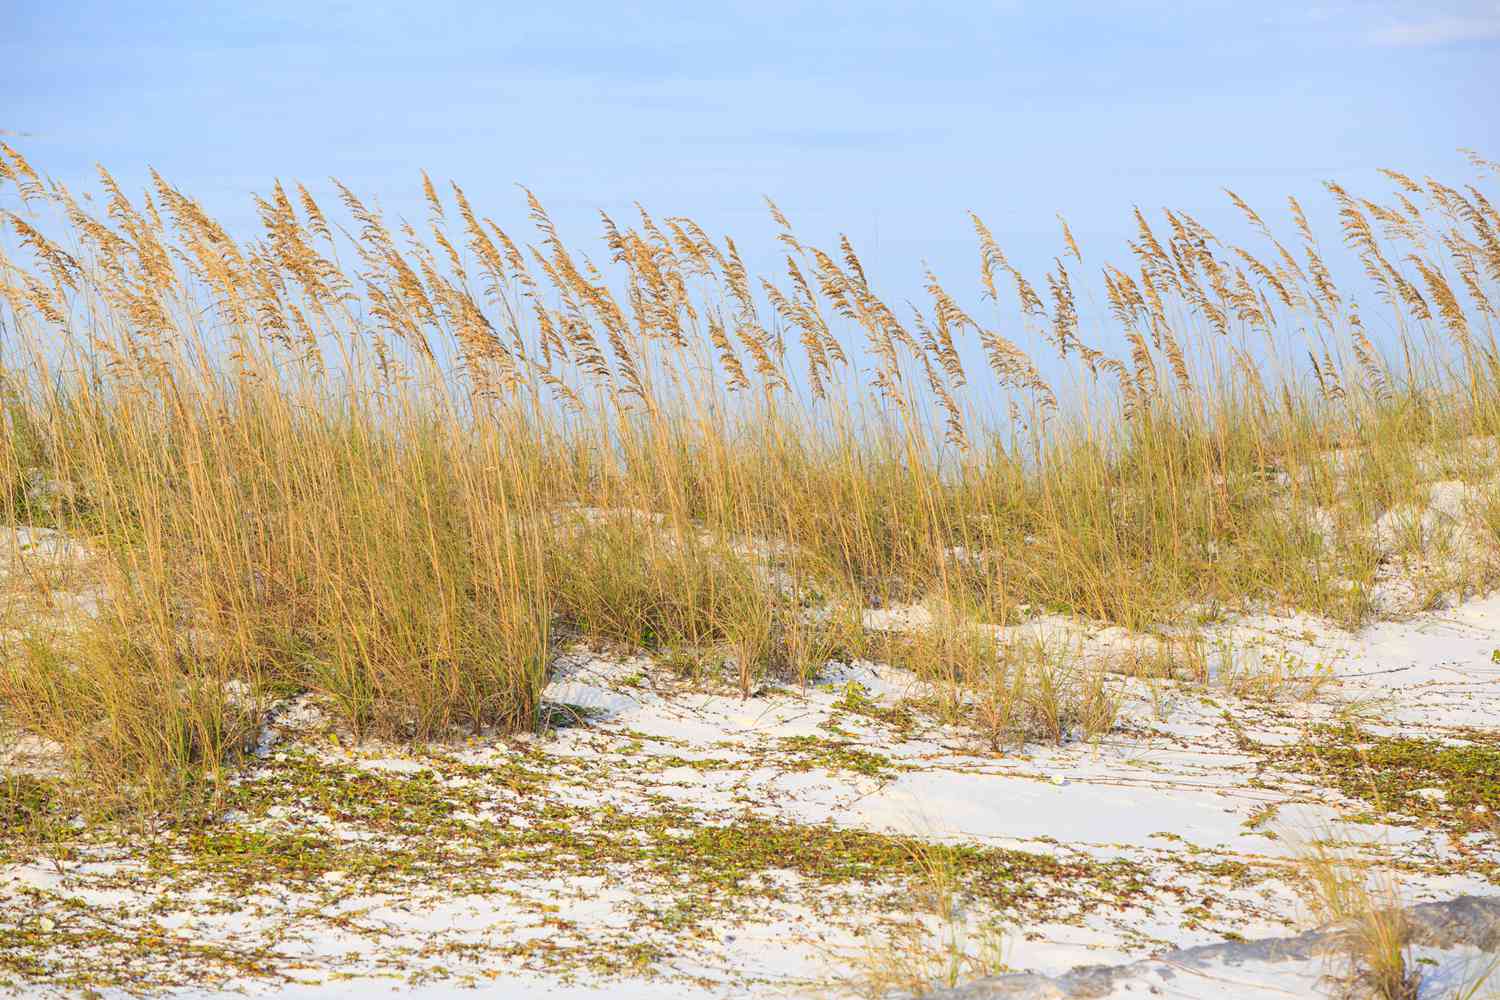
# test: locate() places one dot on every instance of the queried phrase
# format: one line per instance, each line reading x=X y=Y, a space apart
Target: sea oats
x=1071 y=243
x=385 y=527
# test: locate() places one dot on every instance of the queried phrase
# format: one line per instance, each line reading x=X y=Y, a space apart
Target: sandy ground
x=677 y=842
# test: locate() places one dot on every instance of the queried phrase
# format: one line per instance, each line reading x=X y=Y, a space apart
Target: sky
x=886 y=121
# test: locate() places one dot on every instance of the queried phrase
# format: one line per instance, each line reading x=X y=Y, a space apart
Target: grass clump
x=143 y=723
x=1010 y=691
x=396 y=464
x=636 y=582
x=28 y=805
x=1374 y=931
x=913 y=958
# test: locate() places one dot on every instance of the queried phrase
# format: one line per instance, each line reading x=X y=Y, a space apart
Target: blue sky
x=888 y=121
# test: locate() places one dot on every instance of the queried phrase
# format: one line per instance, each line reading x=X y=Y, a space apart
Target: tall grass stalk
x=398 y=465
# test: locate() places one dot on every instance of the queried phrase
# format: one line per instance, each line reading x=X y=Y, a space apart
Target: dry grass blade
x=343 y=456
